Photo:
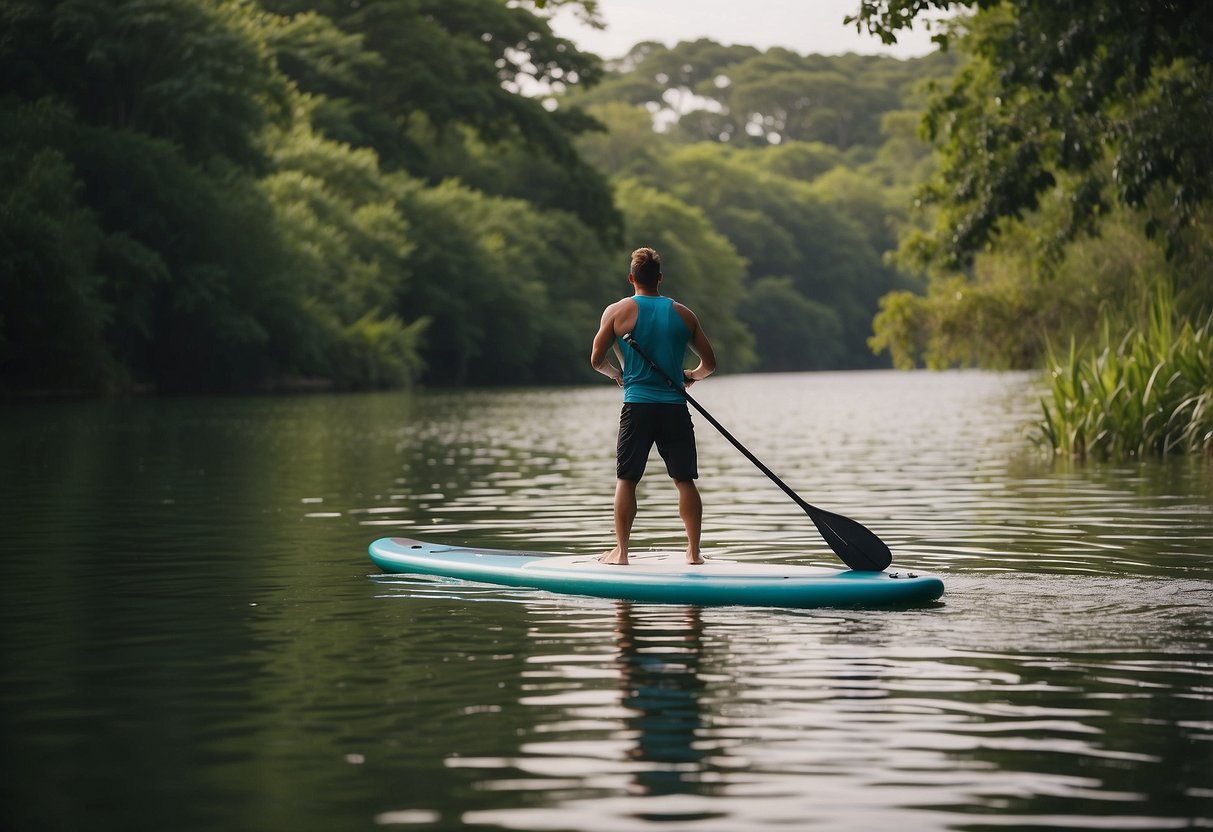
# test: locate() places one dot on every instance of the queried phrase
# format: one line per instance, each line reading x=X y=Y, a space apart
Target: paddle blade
x=855 y=544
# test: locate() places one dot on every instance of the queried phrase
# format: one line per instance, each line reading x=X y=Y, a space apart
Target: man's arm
x=603 y=341
x=702 y=347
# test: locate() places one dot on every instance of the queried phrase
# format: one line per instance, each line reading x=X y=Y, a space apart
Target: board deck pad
x=660 y=577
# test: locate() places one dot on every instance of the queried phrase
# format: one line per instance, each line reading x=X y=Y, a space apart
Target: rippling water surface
x=192 y=637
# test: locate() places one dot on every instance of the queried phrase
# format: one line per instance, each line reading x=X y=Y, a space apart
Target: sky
x=804 y=26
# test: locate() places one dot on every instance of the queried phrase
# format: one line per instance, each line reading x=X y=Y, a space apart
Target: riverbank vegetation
x=227 y=195
x=1072 y=191
x=1148 y=393
x=210 y=195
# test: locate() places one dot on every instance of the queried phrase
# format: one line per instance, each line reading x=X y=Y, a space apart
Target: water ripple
x=191 y=639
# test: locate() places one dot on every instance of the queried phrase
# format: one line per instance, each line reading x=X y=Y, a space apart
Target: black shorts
x=669 y=425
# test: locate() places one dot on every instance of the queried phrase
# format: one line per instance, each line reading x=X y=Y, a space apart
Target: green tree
x=229 y=179
x=691 y=67
x=797 y=105
x=781 y=227
x=742 y=96
x=1067 y=186
x=165 y=103
x=864 y=200
x=192 y=72
x=511 y=291
x=458 y=62
x=791 y=331
x=514 y=170
x=1092 y=99
x=629 y=147
x=52 y=311
x=429 y=84
x=340 y=219
x=332 y=68
x=704 y=270
x=804 y=161
x=197 y=259
x=1006 y=310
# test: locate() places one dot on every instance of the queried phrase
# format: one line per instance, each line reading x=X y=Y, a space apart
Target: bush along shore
x=1148 y=394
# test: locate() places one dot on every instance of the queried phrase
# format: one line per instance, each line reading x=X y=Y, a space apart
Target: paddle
x=853 y=542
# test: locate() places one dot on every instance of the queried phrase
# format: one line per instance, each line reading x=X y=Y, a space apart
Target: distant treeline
x=204 y=195
x=786 y=176
x=213 y=195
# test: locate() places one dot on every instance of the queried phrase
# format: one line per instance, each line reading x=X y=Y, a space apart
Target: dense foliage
x=1071 y=180
x=1149 y=392
x=801 y=165
x=242 y=194
x=1096 y=99
x=1074 y=190
x=218 y=194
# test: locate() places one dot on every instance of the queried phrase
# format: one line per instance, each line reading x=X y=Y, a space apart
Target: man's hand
x=687 y=378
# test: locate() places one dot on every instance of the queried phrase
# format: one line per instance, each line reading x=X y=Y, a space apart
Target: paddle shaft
x=723 y=431
x=853 y=542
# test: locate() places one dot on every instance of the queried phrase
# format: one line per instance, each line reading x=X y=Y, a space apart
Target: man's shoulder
x=622 y=305
x=686 y=314
x=619 y=315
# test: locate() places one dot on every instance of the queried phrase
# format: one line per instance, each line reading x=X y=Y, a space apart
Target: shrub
x=1151 y=394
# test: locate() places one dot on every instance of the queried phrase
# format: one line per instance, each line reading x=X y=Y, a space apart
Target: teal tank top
x=664 y=336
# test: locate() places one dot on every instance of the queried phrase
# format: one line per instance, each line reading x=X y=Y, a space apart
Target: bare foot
x=614 y=558
x=694 y=560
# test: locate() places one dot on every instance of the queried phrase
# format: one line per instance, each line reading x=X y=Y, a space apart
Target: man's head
x=646 y=267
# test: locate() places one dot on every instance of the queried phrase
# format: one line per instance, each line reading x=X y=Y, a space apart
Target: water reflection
x=661 y=686
x=724 y=719
x=189 y=638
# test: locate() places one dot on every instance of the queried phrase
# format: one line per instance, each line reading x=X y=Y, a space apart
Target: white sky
x=804 y=26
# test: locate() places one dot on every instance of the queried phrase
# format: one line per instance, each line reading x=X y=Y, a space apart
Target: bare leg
x=625 y=514
x=690 y=509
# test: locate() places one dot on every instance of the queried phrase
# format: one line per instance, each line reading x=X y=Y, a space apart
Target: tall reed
x=1150 y=394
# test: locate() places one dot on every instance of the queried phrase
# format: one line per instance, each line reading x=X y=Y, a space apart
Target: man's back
x=663 y=335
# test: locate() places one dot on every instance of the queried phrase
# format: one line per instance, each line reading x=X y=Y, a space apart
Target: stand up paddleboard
x=660 y=578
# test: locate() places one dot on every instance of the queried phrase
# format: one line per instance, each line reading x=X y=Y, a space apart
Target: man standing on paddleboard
x=654 y=410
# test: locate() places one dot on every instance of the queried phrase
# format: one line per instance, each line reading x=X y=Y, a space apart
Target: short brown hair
x=646 y=267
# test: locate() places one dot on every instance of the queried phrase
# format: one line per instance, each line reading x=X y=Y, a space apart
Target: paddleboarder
x=654 y=411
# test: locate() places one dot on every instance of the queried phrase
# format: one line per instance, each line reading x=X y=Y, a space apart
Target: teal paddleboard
x=660 y=578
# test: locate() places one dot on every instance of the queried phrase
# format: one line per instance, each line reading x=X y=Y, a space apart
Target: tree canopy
x=245 y=194
x=798 y=162
x=1071 y=183
x=1092 y=98
x=213 y=194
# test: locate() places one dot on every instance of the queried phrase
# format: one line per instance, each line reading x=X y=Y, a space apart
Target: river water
x=192 y=637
